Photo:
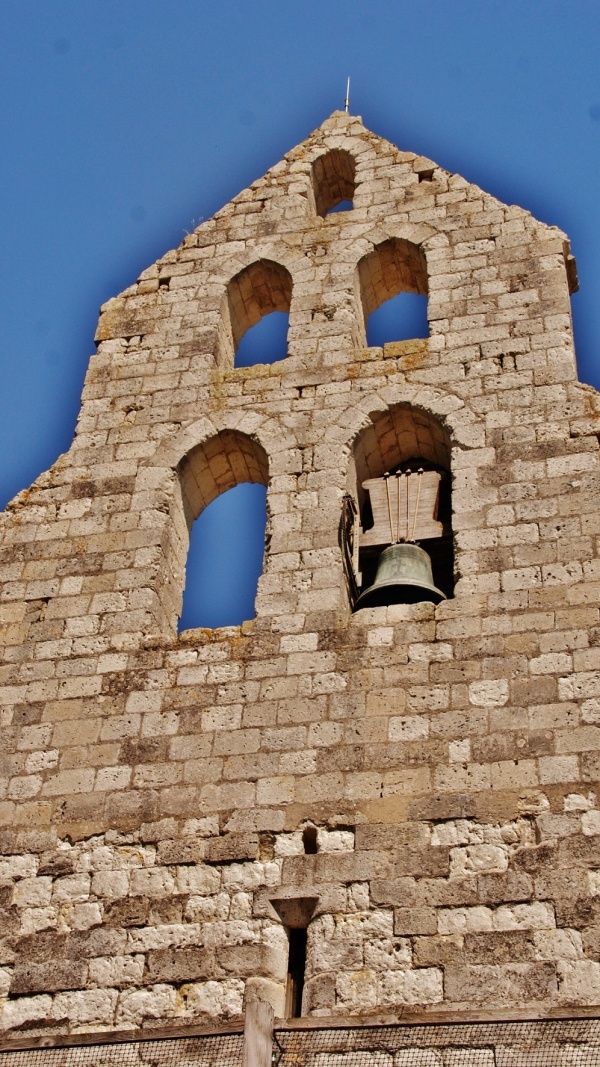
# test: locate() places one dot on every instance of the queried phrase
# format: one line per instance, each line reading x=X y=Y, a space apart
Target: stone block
x=415 y=921
x=179 y=965
x=253 y=960
x=131 y=911
x=579 y=980
x=504 y=888
x=484 y=984
x=188 y=850
x=499 y=948
x=48 y=977
x=232 y=846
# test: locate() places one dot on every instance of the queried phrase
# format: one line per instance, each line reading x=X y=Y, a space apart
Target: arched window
x=260 y=297
x=225 y=559
x=399 y=319
x=333 y=178
x=399 y=486
x=392 y=284
x=266 y=342
x=222 y=486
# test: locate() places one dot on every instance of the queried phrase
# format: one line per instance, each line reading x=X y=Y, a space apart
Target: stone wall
x=156 y=788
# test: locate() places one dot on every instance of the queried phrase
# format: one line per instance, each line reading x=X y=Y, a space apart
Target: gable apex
x=342 y=131
x=287 y=212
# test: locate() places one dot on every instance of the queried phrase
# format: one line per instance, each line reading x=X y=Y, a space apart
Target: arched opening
x=400 y=492
x=260 y=290
x=225 y=559
x=402 y=317
x=265 y=342
x=392 y=284
x=342 y=205
x=223 y=496
x=334 y=181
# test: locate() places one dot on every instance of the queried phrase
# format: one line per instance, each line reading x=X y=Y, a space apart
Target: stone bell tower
x=350 y=813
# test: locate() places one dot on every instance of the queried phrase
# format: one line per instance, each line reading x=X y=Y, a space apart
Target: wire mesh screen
x=551 y=1043
x=556 y=1043
x=221 y=1050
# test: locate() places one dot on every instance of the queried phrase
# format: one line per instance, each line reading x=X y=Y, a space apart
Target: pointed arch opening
x=258 y=306
x=393 y=289
x=399 y=491
x=223 y=505
x=334 y=182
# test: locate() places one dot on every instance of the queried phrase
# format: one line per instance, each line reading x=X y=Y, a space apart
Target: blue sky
x=125 y=123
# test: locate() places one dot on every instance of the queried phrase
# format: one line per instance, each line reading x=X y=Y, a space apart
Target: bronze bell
x=404 y=576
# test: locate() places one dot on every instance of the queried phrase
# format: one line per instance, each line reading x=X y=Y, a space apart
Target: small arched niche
x=262 y=289
x=334 y=181
x=392 y=286
x=412 y=448
x=229 y=465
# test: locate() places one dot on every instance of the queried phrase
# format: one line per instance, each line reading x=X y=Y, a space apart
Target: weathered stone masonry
x=156 y=788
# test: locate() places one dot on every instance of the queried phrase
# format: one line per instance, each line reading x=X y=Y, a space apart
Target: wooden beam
x=258 y=1035
x=119 y=1037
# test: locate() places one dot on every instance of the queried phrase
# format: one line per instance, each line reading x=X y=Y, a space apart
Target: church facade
x=339 y=811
